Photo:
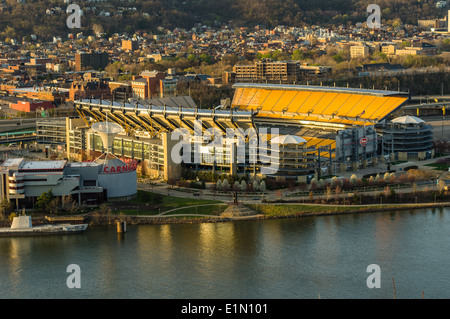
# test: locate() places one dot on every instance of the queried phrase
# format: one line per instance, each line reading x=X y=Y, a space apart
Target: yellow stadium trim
x=299 y=100
x=309 y=104
x=360 y=107
x=336 y=104
x=237 y=96
x=271 y=100
x=262 y=98
x=326 y=101
x=284 y=101
x=391 y=104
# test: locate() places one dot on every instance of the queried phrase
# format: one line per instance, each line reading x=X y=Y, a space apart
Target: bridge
x=13 y=124
x=430 y=97
x=17 y=137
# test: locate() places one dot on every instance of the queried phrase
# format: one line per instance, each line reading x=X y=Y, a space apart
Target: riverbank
x=300 y=210
x=264 y=211
x=271 y=211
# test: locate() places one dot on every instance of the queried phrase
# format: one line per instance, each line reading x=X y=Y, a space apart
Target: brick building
x=29 y=105
x=153 y=79
x=147 y=84
x=139 y=88
x=91 y=89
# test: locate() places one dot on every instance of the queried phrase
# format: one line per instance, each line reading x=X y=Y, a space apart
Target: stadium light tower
x=107 y=132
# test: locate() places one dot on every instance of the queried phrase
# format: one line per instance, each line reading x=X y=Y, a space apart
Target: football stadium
x=285 y=132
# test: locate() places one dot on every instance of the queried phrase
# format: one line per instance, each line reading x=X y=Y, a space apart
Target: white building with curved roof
x=409 y=137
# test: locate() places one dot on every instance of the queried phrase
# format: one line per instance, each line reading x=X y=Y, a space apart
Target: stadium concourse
x=340 y=129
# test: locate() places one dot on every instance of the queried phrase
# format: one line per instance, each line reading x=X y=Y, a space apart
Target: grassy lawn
x=439 y=166
x=204 y=210
x=138 y=206
x=286 y=210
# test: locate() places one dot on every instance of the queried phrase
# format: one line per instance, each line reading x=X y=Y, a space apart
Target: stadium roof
x=314 y=88
x=408 y=119
x=347 y=106
x=287 y=139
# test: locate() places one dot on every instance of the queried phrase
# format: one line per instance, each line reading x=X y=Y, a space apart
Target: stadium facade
x=285 y=132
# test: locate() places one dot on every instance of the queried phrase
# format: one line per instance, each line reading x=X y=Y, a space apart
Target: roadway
x=16 y=140
x=429 y=97
x=162 y=188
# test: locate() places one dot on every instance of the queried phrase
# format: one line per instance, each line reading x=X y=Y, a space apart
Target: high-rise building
x=268 y=70
x=95 y=60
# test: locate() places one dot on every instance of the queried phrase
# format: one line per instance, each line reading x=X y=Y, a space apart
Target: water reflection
x=286 y=258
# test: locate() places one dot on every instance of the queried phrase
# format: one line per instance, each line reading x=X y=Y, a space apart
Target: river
x=301 y=258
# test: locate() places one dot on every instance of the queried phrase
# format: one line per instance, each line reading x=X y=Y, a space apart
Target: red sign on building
x=363 y=141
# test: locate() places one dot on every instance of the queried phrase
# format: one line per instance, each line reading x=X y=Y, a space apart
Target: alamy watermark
x=74 y=19
x=374 y=279
x=74 y=279
x=374 y=20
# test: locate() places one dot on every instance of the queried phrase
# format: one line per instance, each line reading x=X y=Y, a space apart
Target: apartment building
x=96 y=60
x=130 y=45
x=268 y=70
x=359 y=51
x=139 y=88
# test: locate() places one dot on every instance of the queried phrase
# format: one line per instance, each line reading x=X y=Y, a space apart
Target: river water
x=303 y=258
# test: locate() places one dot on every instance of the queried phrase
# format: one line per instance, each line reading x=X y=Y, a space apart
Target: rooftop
x=408 y=120
x=43 y=165
x=12 y=162
x=330 y=89
x=83 y=164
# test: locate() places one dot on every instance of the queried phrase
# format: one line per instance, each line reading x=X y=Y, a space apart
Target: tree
x=104 y=209
x=53 y=206
x=243 y=185
x=262 y=186
x=6 y=208
x=440 y=186
x=44 y=201
x=68 y=204
x=337 y=191
x=314 y=184
x=297 y=55
x=97 y=29
x=336 y=182
x=353 y=179
x=338 y=57
x=329 y=191
x=114 y=69
x=225 y=185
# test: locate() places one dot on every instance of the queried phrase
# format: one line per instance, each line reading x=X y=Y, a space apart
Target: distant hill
x=19 y=20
